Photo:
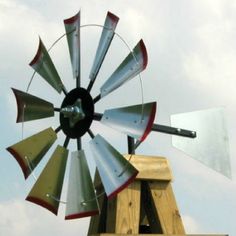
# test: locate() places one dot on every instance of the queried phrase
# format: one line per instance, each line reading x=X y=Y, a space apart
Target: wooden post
x=146 y=207
x=97 y=223
x=128 y=210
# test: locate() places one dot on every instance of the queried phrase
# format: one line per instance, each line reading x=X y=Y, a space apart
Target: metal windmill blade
x=132 y=65
x=107 y=35
x=76 y=113
x=72 y=27
x=135 y=121
x=30 y=107
x=31 y=150
x=81 y=198
x=47 y=190
x=115 y=171
x=43 y=65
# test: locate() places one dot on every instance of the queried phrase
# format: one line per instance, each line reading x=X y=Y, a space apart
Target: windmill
x=76 y=114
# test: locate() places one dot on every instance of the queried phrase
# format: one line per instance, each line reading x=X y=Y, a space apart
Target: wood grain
x=151 y=168
x=167 y=210
x=128 y=209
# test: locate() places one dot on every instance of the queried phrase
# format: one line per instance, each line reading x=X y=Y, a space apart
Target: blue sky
x=192 y=58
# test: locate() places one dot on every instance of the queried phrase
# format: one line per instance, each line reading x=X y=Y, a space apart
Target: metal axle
x=162 y=128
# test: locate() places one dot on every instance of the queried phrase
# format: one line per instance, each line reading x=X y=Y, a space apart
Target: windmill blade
x=81 y=198
x=104 y=43
x=29 y=152
x=30 y=107
x=43 y=65
x=72 y=27
x=135 y=121
x=46 y=192
x=133 y=64
x=115 y=171
x=211 y=146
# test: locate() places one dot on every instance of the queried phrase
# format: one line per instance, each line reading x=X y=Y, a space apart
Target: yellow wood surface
x=128 y=209
x=167 y=210
x=123 y=212
x=151 y=168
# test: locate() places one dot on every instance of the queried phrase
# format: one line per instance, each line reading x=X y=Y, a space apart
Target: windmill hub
x=77 y=112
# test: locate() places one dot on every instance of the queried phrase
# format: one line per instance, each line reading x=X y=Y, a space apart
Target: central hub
x=77 y=111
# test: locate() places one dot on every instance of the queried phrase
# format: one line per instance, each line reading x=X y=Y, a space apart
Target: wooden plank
x=98 y=222
x=150 y=167
x=167 y=210
x=111 y=215
x=128 y=209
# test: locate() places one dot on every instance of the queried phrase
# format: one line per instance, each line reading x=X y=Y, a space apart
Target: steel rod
x=67 y=140
x=64 y=90
x=91 y=133
x=162 y=128
x=131 y=145
x=57 y=109
x=78 y=81
x=79 y=144
x=97 y=116
x=96 y=99
x=90 y=85
x=174 y=131
x=58 y=129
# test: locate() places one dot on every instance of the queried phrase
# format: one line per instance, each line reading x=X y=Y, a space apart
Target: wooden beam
x=167 y=210
x=151 y=168
x=98 y=222
x=111 y=215
x=128 y=209
x=121 y=215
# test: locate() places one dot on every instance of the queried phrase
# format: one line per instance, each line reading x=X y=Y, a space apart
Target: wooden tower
x=145 y=207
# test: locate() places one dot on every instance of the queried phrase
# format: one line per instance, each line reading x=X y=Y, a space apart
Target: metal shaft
x=174 y=131
x=162 y=128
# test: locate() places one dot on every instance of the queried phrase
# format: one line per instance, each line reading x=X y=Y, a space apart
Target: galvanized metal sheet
x=46 y=192
x=104 y=43
x=29 y=152
x=211 y=146
x=133 y=64
x=135 y=121
x=81 y=198
x=43 y=65
x=115 y=171
x=30 y=107
x=72 y=27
